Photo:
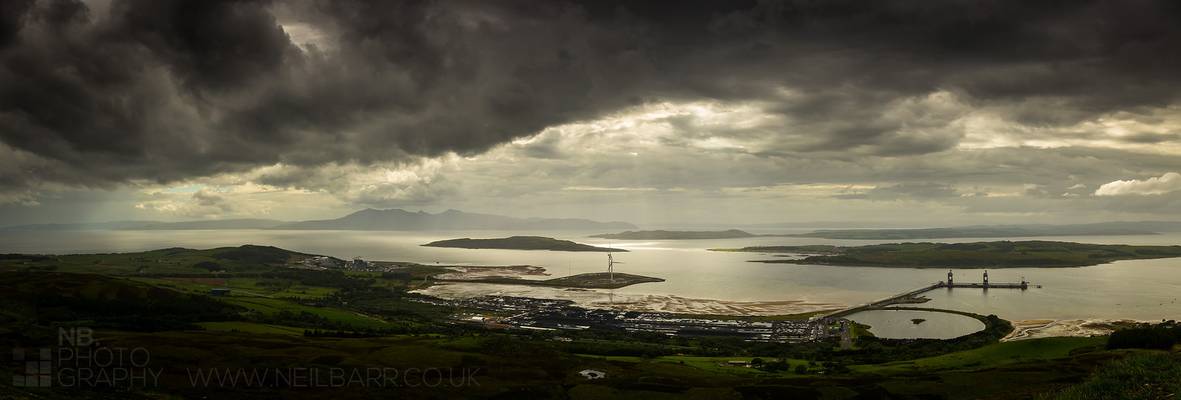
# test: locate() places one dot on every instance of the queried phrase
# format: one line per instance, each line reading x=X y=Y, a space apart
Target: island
x=521 y=243
x=1000 y=254
x=973 y=231
x=994 y=231
x=676 y=235
x=594 y=280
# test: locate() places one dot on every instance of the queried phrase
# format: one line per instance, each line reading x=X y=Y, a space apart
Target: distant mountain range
x=364 y=220
x=401 y=220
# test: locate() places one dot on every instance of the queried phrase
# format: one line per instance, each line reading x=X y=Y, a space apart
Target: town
x=555 y=315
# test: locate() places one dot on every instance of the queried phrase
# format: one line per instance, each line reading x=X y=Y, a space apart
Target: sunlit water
x=703 y=281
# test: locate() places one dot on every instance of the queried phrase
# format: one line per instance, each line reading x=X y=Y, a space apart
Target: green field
x=250 y=327
x=170 y=261
x=259 y=287
x=992 y=355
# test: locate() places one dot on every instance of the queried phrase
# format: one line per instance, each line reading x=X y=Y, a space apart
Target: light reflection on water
x=695 y=277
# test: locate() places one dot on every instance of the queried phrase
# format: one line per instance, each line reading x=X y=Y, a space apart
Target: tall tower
x=986 y=278
x=950 y=281
x=611 y=267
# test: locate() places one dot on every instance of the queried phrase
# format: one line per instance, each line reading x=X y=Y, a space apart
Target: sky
x=652 y=112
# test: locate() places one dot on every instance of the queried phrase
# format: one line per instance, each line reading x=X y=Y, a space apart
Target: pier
x=912 y=296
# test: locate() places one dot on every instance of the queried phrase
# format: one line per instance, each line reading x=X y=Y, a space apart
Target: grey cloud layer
x=164 y=90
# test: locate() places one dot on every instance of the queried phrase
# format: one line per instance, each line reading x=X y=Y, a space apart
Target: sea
x=698 y=280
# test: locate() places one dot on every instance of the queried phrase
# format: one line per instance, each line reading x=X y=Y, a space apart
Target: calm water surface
x=900 y=324
x=717 y=281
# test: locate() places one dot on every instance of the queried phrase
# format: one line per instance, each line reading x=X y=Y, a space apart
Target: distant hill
x=364 y=220
x=401 y=220
x=520 y=243
x=675 y=235
x=81 y=226
x=1003 y=254
x=987 y=231
x=975 y=231
x=217 y=224
x=152 y=225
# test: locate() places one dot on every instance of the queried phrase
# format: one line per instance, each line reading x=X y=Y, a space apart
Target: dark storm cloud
x=1152 y=138
x=164 y=90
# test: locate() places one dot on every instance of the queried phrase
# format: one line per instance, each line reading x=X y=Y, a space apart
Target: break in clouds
x=989 y=107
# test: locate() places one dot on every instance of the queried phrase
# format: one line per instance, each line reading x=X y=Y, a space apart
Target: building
x=326 y=262
x=358 y=263
x=592 y=374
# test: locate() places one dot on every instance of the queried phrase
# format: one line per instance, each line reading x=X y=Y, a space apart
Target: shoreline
x=593 y=299
x=1042 y=328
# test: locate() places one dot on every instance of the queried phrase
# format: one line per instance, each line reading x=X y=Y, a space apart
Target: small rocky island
x=521 y=243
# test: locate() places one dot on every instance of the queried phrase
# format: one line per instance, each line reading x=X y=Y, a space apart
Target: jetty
x=913 y=296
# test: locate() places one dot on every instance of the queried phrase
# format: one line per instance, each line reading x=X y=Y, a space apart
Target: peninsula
x=521 y=243
x=991 y=231
x=1001 y=254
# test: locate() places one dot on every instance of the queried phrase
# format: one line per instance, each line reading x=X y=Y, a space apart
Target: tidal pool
x=900 y=324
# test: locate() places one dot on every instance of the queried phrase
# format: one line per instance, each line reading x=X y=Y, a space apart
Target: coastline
x=1041 y=328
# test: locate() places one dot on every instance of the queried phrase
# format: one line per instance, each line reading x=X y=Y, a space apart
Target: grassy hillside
x=247 y=258
x=1147 y=376
x=56 y=299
